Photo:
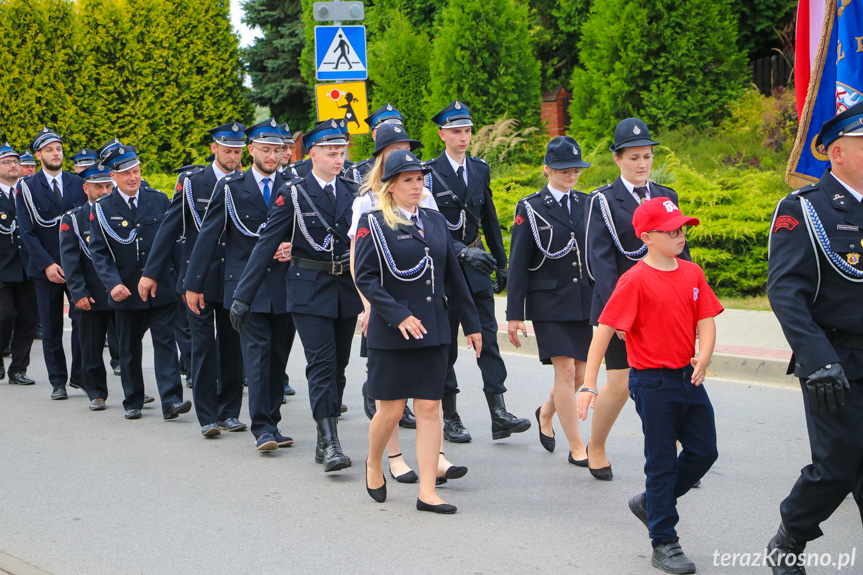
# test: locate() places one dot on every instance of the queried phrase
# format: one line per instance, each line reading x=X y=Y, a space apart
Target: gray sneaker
x=670 y=558
x=638 y=506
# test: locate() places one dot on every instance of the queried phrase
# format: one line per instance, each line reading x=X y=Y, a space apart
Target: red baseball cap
x=660 y=214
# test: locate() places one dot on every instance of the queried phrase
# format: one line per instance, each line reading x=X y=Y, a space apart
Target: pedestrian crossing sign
x=345 y=100
x=340 y=53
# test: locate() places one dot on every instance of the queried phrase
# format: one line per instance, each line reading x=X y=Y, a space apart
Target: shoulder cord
x=357 y=177
x=817 y=232
x=229 y=205
x=299 y=219
x=100 y=215
x=609 y=223
x=451 y=227
x=81 y=241
x=10 y=230
x=34 y=213
x=381 y=245
x=189 y=198
x=531 y=218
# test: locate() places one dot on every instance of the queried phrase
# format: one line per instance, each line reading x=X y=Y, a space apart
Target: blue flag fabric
x=836 y=84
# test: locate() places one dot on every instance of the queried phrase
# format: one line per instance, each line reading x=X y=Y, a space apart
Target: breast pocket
x=540 y=284
x=476 y=200
x=251 y=218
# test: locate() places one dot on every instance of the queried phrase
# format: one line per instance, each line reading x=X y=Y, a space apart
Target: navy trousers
x=50 y=298
x=490 y=362
x=327 y=344
x=217 y=364
x=131 y=326
x=183 y=337
x=113 y=343
x=93 y=328
x=18 y=319
x=836 y=442
x=671 y=409
x=265 y=355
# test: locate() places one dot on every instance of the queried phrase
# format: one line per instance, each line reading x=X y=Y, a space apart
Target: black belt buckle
x=338 y=268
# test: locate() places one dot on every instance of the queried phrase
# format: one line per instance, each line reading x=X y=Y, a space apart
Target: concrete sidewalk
x=750 y=345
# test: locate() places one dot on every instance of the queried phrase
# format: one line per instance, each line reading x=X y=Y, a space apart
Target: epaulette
x=76 y=209
x=358 y=165
x=348 y=180
x=234 y=177
x=601 y=189
x=803 y=190
x=530 y=196
x=194 y=170
x=663 y=186
x=477 y=159
x=430 y=162
x=105 y=197
x=153 y=190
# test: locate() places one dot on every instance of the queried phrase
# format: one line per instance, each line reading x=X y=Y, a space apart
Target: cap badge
x=333 y=124
x=273 y=123
x=636 y=130
x=342 y=123
x=408 y=158
x=389 y=107
x=397 y=131
x=44 y=129
x=575 y=150
x=457 y=105
x=235 y=128
x=121 y=150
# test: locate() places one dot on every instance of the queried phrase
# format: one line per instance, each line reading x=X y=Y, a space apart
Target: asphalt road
x=92 y=494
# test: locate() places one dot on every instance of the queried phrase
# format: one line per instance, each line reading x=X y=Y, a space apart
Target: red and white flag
x=810 y=19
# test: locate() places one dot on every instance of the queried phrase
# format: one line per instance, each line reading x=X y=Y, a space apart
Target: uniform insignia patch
x=179 y=187
x=280 y=201
x=853 y=258
x=457 y=105
x=574 y=151
x=408 y=158
x=124 y=223
x=519 y=220
x=122 y=151
x=2 y=216
x=362 y=232
x=64 y=227
x=838 y=196
x=273 y=123
x=235 y=128
x=786 y=222
x=389 y=108
x=91 y=217
x=846 y=228
x=636 y=130
x=397 y=131
x=333 y=124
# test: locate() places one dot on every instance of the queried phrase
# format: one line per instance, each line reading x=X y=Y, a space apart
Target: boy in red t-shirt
x=661 y=305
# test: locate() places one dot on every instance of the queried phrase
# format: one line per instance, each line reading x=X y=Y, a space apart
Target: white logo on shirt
x=669 y=206
x=694 y=294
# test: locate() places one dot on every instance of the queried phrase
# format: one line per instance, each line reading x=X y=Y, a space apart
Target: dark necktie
x=328 y=190
x=642 y=194
x=132 y=206
x=462 y=186
x=416 y=221
x=564 y=203
x=57 y=193
x=266 y=190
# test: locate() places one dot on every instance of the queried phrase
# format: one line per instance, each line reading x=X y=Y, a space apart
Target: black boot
x=453 y=429
x=503 y=423
x=319 y=448
x=783 y=554
x=408 y=419
x=331 y=450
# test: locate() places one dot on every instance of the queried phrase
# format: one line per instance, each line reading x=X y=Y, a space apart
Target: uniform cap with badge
x=231 y=135
x=456 y=115
x=630 y=133
x=385 y=115
x=392 y=134
x=563 y=152
x=27 y=159
x=660 y=215
x=97 y=174
x=85 y=157
x=402 y=161
x=122 y=158
x=43 y=138
x=847 y=123
x=6 y=151
x=326 y=133
x=266 y=132
x=286 y=133
x=107 y=148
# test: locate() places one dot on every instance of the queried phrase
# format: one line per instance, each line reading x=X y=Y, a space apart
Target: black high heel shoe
x=445 y=508
x=379 y=494
x=547 y=441
x=409 y=477
x=603 y=473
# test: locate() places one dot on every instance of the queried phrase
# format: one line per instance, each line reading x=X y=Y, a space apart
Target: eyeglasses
x=8 y=163
x=674 y=233
x=274 y=152
x=570 y=172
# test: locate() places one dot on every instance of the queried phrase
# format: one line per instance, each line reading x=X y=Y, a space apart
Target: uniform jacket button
x=575 y=280
x=574 y=264
x=428 y=298
x=428 y=282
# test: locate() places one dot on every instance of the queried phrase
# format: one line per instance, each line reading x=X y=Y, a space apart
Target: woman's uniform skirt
x=402 y=373
x=562 y=338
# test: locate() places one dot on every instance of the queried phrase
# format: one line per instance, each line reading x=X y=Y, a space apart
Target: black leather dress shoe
x=97 y=405
x=189 y=382
x=670 y=558
x=177 y=409
x=233 y=424
x=408 y=420
x=343 y=408
x=148 y=399
x=133 y=414
x=117 y=370
x=20 y=378
x=289 y=390
x=444 y=508
x=2 y=369
x=59 y=393
x=76 y=384
x=547 y=441
x=7 y=352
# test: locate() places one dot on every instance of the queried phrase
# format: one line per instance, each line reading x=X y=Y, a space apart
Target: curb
x=13 y=566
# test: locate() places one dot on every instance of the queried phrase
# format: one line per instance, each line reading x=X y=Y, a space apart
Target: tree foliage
x=556 y=29
x=668 y=62
x=155 y=73
x=761 y=23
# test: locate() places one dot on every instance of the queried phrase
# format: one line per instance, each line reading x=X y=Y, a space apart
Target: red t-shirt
x=659 y=311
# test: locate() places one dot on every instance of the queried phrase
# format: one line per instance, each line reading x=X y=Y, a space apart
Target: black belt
x=476 y=243
x=844 y=339
x=335 y=268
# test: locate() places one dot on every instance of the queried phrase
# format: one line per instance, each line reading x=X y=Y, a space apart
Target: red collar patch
x=280 y=201
x=786 y=222
x=519 y=220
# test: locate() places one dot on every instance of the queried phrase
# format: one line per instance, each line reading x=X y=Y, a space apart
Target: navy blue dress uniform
x=548 y=282
x=121 y=240
x=234 y=218
x=216 y=355
x=403 y=271
x=40 y=202
x=18 y=316
x=815 y=284
x=84 y=282
x=385 y=115
x=321 y=294
x=612 y=245
x=303 y=168
x=467 y=204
